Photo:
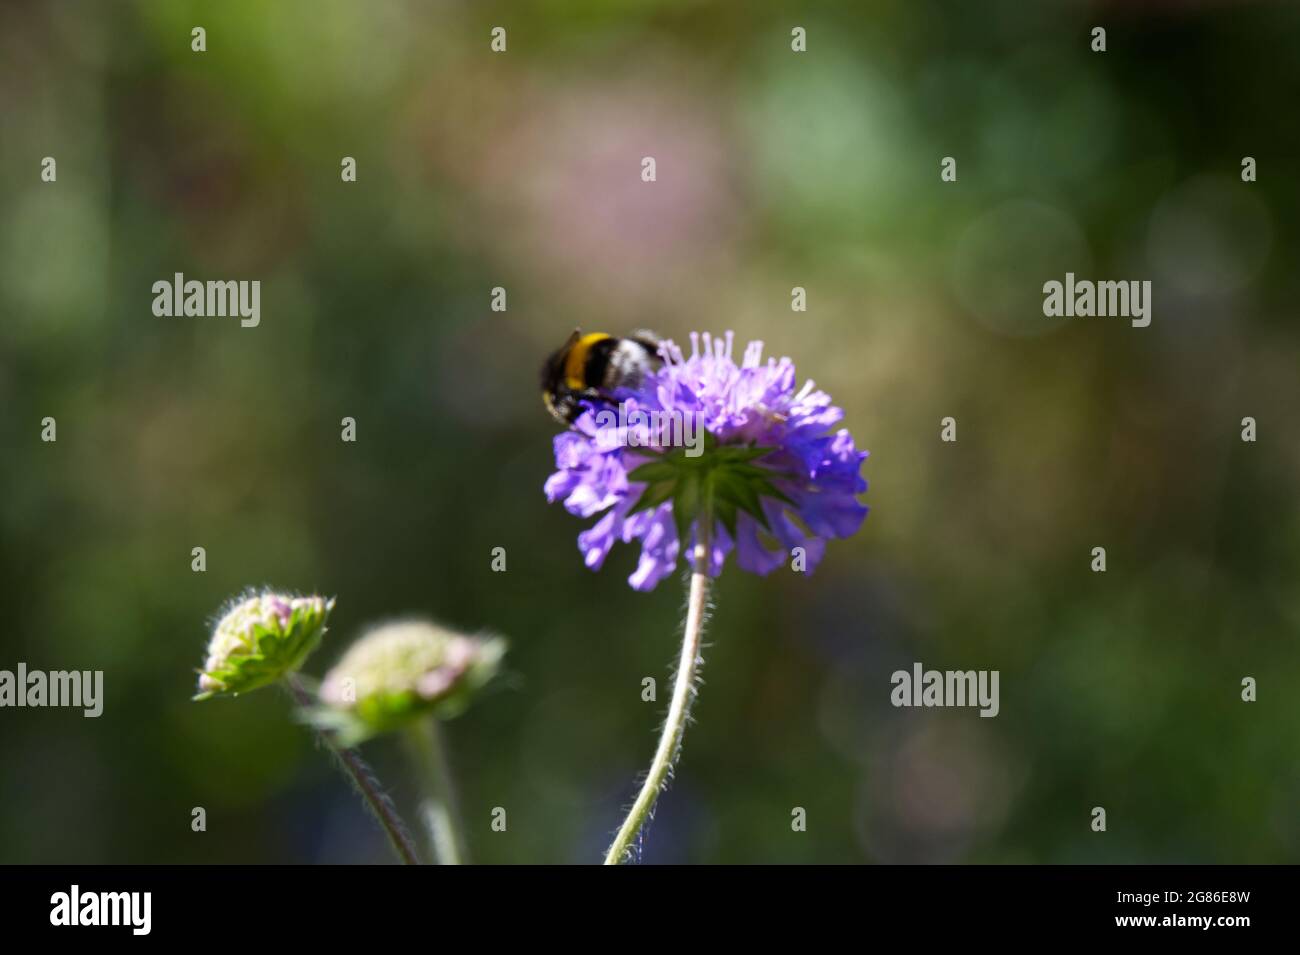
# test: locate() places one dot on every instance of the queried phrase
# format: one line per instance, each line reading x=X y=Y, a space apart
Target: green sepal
x=686 y=504
x=714 y=485
x=653 y=472
x=653 y=496
x=726 y=511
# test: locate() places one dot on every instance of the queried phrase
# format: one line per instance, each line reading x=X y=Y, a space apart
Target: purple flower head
x=704 y=442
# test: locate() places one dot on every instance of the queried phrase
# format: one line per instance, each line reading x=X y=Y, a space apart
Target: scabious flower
x=398 y=672
x=259 y=640
x=771 y=476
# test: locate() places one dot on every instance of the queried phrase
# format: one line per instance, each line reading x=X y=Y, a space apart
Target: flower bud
x=260 y=640
x=400 y=671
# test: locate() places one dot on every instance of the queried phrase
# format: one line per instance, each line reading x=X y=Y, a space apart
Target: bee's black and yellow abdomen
x=597 y=363
x=581 y=353
x=592 y=367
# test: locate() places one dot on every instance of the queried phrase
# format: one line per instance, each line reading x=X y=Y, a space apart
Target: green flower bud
x=399 y=672
x=260 y=640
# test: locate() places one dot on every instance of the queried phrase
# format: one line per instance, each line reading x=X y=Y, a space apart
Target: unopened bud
x=401 y=671
x=260 y=640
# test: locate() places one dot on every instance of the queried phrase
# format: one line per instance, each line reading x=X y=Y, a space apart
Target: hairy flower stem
x=438 y=801
x=670 y=740
x=363 y=780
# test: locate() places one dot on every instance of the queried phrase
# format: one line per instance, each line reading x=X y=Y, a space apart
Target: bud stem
x=363 y=779
x=438 y=804
x=684 y=692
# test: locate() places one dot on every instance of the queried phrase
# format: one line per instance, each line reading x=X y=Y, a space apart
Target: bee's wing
x=651 y=341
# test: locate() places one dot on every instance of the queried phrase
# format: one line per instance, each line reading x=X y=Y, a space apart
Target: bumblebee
x=593 y=367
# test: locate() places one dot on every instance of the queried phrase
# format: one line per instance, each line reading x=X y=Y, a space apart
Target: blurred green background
x=775 y=169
